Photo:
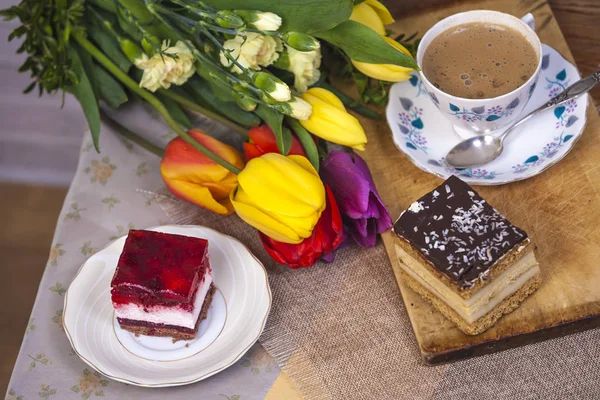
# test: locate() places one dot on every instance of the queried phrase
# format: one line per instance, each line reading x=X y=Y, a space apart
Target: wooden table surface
x=578 y=20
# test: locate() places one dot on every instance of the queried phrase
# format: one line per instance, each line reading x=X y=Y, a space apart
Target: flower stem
x=135 y=138
x=207 y=113
x=150 y=98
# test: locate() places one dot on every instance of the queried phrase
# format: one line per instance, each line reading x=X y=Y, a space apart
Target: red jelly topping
x=159 y=268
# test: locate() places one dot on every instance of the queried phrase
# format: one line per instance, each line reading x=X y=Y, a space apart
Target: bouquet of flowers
x=252 y=65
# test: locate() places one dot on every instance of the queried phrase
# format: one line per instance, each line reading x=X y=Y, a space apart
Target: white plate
x=425 y=136
x=235 y=319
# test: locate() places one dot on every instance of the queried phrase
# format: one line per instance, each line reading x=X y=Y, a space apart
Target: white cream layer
x=486 y=298
x=167 y=315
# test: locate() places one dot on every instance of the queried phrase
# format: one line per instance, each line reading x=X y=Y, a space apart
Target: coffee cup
x=482 y=115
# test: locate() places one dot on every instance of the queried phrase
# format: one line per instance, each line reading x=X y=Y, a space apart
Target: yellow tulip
x=283 y=197
x=386 y=72
x=372 y=14
x=330 y=121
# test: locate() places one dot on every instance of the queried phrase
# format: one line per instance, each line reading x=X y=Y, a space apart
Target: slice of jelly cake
x=163 y=284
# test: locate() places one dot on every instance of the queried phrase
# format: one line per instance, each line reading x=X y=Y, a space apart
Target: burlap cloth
x=340 y=331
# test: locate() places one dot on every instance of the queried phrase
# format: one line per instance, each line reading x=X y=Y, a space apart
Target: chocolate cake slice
x=464 y=257
x=163 y=284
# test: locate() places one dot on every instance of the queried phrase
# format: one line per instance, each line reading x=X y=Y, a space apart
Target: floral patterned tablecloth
x=106 y=199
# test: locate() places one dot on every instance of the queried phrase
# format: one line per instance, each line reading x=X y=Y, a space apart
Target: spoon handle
x=575 y=90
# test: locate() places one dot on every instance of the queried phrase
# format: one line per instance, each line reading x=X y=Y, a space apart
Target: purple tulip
x=363 y=212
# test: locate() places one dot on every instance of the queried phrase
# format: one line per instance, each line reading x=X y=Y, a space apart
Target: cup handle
x=529 y=20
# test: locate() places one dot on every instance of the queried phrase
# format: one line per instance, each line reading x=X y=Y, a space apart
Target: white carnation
x=163 y=71
x=251 y=51
x=300 y=108
x=305 y=67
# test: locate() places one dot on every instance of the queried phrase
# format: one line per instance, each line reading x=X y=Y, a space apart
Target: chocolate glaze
x=458 y=232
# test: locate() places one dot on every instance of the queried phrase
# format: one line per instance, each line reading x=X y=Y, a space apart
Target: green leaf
x=180 y=92
x=85 y=94
x=29 y=88
x=88 y=65
x=363 y=44
x=275 y=120
x=106 y=5
x=110 y=89
x=286 y=141
x=310 y=148
x=109 y=46
x=202 y=91
x=175 y=111
x=297 y=15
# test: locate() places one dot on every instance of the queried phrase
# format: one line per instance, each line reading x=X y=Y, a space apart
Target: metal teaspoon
x=482 y=149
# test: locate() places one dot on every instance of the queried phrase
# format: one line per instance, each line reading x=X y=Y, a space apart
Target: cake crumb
x=187 y=345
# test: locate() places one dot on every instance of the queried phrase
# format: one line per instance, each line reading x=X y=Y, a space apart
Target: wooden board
x=560 y=209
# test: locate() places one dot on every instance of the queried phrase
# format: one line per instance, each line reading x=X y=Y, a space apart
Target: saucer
x=235 y=319
x=425 y=136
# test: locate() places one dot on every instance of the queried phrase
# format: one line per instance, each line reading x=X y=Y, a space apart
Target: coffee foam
x=479 y=60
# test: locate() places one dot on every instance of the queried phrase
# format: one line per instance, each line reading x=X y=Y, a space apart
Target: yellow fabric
x=283 y=389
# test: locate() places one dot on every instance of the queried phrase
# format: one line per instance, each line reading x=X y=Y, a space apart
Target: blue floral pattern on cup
x=482 y=113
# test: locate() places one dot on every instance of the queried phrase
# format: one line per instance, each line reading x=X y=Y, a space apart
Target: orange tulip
x=193 y=177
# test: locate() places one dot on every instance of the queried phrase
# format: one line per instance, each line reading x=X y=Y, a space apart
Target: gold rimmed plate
x=235 y=319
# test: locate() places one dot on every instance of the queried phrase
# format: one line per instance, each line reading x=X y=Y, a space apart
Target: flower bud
x=243 y=98
x=272 y=86
x=295 y=108
x=263 y=21
x=150 y=44
x=229 y=19
x=132 y=51
x=301 y=41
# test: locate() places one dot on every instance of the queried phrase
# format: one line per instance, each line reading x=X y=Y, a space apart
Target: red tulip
x=327 y=236
x=262 y=140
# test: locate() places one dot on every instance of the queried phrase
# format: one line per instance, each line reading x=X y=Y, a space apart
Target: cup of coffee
x=480 y=68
